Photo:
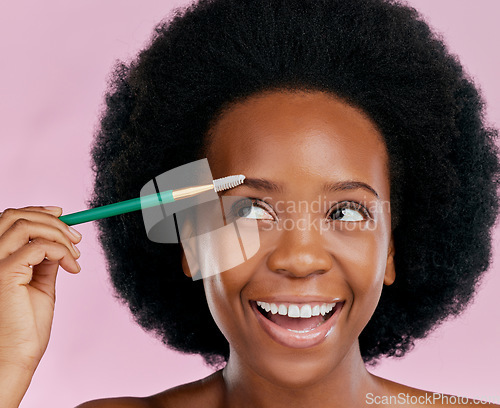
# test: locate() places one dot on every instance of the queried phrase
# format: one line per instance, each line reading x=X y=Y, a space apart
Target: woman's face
x=316 y=246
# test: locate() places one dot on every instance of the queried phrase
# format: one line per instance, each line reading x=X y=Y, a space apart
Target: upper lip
x=297 y=299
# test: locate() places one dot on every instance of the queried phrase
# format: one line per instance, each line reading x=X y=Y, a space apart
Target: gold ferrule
x=190 y=191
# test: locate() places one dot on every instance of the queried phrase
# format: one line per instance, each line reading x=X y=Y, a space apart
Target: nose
x=300 y=254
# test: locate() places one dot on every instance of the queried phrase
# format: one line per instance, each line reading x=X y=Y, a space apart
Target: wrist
x=14 y=382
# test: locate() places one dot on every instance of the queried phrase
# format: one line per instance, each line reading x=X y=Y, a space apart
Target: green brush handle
x=122 y=207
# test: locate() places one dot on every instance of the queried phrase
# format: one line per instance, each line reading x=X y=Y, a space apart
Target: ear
x=185 y=266
x=390 y=270
x=190 y=265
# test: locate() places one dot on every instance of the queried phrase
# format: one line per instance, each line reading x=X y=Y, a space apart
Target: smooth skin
x=301 y=141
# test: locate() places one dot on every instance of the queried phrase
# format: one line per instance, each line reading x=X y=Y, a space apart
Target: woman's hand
x=33 y=243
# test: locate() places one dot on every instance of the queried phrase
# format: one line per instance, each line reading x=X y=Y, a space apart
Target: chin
x=297 y=372
x=294 y=368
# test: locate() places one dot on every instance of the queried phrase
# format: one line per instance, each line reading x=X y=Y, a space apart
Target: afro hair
x=377 y=55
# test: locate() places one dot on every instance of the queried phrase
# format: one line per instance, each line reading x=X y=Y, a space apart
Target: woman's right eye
x=251 y=209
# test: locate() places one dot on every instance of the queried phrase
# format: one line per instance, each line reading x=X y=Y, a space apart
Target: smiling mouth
x=295 y=317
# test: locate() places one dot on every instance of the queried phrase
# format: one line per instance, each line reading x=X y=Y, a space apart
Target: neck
x=344 y=385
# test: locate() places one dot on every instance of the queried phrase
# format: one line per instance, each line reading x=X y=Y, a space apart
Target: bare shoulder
x=396 y=395
x=207 y=392
x=123 y=402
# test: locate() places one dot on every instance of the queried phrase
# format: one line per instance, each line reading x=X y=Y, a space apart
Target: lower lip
x=293 y=339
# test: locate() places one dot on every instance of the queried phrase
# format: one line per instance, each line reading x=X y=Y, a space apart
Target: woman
x=301 y=93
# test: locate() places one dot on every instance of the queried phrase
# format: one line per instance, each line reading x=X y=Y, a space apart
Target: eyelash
x=338 y=207
x=353 y=206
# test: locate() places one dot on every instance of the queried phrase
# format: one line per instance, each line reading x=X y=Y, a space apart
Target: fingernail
x=75 y=233
x=52 y=208
x=75 y=248
x=79 y=267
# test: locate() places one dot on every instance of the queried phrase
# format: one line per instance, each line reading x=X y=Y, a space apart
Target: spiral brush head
x=228 y=182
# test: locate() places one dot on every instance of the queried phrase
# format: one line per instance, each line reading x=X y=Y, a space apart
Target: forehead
x=296 y=135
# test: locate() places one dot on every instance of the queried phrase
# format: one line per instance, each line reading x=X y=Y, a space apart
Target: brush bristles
x=228 y=182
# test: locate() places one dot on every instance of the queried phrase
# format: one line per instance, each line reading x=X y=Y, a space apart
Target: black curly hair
x=379 y=56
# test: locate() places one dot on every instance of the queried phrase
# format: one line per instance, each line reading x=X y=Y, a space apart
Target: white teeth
x=293 y=311
x=329 y=307
x=316 y=310
x=305 y=311
x=274 y=308
x=282 y=310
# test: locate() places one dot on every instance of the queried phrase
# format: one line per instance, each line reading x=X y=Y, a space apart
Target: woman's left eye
x=349 y=211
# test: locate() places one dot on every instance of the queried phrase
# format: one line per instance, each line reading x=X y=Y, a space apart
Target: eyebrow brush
x=151 y=200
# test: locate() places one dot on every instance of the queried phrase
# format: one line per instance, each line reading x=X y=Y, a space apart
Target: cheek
x=362 y=261
x=224 y=296
x=218 y=300
x=228 y=258
x=361 y=258
x=365 y=282
x=226 y=246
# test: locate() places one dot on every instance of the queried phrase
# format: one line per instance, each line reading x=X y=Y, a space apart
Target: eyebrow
x=269 y=186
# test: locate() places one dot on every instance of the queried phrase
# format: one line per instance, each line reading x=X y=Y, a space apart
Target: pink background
x=56 y=56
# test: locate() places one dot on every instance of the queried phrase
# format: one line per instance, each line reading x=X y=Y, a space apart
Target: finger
x=55 y=211
x=44 y=277
x=17 y=268
x=10 y=215
x=23 y=231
